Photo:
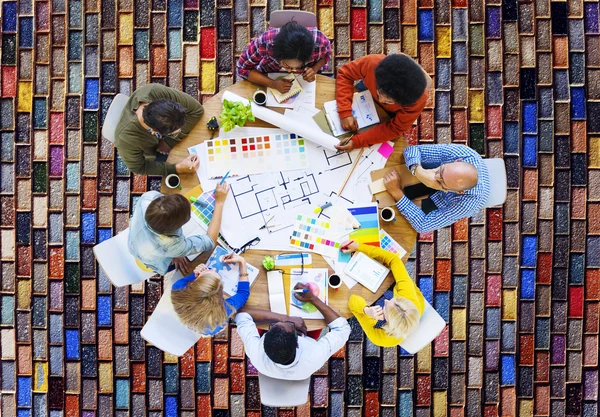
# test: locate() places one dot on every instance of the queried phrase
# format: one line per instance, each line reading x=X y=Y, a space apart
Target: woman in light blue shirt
x=198 y=298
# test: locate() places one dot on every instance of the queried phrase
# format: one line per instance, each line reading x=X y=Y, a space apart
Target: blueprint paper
x=306 y=97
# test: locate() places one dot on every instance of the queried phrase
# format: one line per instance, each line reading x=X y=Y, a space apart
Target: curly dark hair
x=293 y=42
x=401 y=78
x=280 y=345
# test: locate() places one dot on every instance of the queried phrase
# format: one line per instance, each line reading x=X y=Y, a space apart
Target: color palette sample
x=388 y=243
x=368 y=217
x=203 y=208
x=314 y=235
x=255 y=155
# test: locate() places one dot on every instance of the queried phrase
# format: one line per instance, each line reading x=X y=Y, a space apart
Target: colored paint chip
x=426 y=26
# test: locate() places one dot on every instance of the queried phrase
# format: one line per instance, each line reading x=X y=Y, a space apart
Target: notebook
x=276 y=294
x=366 y=271
x=363 y=109
x=295 y=89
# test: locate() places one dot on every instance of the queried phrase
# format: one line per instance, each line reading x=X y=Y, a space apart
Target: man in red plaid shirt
x=292 y=48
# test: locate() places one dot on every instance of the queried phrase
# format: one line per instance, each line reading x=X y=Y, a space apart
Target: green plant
x=235 y=114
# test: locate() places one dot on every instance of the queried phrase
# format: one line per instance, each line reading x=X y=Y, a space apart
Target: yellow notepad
x=295 y=89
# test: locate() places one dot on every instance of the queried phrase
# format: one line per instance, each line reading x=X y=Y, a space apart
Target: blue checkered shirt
x=451 y=206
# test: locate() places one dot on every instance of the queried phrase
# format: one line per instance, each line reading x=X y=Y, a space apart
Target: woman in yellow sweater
x=398 y=313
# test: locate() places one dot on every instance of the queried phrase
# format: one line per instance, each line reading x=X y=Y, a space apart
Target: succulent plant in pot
x=235 y=114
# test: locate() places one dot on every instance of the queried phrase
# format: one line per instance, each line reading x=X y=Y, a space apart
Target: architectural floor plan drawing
x=266 y=205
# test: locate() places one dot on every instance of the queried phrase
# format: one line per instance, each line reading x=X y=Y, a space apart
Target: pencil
x=339 y=193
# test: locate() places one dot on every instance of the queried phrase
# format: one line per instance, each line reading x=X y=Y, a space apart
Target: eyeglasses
x=159 y=136
x=287 y=67
x=247 y=246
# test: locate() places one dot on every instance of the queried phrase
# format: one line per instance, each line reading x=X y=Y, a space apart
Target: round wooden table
x=401 y=230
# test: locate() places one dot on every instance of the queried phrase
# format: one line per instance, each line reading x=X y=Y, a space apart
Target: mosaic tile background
x=519 y=285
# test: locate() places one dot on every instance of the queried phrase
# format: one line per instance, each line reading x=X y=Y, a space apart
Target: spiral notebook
x=294 y=90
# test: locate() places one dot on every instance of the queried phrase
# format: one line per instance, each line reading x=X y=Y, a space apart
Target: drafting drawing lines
x=337 y=160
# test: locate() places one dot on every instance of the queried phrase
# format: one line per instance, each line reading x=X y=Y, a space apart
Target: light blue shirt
x=310 y=354
x=451 y=206
x=156 y=250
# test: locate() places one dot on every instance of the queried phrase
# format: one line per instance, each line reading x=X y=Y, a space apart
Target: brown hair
x=200 y=304
x=168 y=213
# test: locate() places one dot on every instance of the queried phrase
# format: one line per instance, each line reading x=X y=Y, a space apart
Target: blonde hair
x=200 y=304
x=402 y=317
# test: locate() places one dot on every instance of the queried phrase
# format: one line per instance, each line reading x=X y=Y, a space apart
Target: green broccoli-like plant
x=235 y=114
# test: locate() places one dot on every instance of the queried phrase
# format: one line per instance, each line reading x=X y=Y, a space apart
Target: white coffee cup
x=173 y=181
x=388 y=214
x=335 y=281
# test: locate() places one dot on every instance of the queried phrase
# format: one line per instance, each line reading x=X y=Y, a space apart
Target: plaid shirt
x=259 y=53
x=451 y=206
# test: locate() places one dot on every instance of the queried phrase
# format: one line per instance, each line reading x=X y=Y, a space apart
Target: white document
x=350 y=282
x=366 y=271
x=230 y=273
x=276 y=292
x=306 y=97
x=363 y=109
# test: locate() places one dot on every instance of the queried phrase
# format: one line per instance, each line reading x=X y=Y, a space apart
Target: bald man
x=458 y=180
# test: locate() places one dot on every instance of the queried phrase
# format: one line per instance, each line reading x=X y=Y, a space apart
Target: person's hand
x=309 y=74
x=188 y=165
x=347 y=147
x=305 y=297
x=375 y=312
x=221 y=193
x=299 y=324
x=349 y=123
x=428 y=177
x=353 y=247
x=200 y=269
x=393 y=186
x=183 y=264
x=234 y=259
x=282 y=85
x=163 y=147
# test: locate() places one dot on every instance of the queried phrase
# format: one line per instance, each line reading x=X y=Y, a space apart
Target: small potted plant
x=235 y=114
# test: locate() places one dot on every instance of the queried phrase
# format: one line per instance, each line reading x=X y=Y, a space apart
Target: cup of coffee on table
x=260 y=97
x=335 y=281
x=388 y=214
x=173 y=181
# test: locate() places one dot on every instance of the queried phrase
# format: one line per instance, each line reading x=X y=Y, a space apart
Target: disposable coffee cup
x=173 y=181
x=388 y=214
x=335 y=281
x=260 y=97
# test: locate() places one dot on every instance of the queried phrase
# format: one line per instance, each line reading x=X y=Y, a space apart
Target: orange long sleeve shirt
x=364 y=69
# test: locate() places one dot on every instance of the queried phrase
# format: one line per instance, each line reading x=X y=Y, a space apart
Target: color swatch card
x=315 y=235
x=230 y=273
x=316 y=280
x=255 y=155
x=368 y=217
x=388 y=243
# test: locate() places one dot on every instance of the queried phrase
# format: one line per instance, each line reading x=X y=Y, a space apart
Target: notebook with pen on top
x=295 y=89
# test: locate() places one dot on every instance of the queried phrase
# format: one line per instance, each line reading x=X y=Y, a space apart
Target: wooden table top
x=401 y=230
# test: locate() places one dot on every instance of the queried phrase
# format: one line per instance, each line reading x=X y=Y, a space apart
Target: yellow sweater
x=405 y=287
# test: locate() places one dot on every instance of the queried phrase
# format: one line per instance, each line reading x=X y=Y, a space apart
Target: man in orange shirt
x=398 y=84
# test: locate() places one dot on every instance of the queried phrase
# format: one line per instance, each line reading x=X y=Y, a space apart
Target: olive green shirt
x=135 y=145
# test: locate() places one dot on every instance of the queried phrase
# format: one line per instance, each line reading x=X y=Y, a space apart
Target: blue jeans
x=360 y=86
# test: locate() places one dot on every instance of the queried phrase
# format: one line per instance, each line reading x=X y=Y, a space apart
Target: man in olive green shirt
x=155 y=118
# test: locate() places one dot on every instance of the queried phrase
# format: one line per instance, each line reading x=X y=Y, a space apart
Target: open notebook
x=294 y=90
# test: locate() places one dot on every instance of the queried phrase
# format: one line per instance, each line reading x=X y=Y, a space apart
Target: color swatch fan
x=388 y=243
x=255 y=155
x=368 y=217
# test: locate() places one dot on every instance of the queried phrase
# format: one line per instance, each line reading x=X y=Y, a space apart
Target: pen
x=223 y=179
x=301 y=291
x=323 y=207
x=347 y=245
x=347 y=140
x=195 y=200
x=297 y=306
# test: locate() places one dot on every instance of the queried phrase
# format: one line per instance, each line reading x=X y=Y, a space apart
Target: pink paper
x=385 y=149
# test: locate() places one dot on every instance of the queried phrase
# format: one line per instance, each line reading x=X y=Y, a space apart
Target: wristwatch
x=413 y=168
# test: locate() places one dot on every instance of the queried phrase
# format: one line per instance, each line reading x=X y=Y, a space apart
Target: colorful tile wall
x=517 y=285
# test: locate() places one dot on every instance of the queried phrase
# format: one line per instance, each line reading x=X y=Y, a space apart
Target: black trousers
x=420 y=190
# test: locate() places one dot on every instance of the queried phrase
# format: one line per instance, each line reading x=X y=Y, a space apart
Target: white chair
x=497 y=171
x=282 y=393
x=164 y=330
x=430 y=326
x=279 y=18
x=113 y=115
x=119 y=265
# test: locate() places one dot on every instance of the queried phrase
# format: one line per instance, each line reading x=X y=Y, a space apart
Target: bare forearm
x=215 y=223
x=328 y=313
x=259 y=78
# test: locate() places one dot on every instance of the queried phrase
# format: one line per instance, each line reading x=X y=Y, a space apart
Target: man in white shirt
x=284 y=354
